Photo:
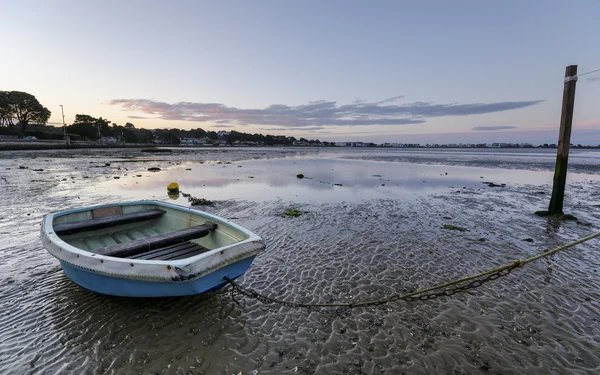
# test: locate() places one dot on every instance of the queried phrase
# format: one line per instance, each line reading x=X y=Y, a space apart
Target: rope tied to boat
x=441 y=290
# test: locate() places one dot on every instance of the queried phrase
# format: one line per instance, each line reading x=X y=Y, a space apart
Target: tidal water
x=372 y=226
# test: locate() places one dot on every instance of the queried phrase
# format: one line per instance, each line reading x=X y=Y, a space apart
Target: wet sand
x=379 y=233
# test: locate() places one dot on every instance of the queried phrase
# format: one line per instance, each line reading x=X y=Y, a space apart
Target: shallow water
x=378 y=234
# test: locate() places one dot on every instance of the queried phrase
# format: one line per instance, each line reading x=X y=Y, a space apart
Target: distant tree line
x=270 y=140
x=22 y=114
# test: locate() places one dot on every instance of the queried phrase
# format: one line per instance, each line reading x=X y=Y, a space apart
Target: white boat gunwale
x=159 y=270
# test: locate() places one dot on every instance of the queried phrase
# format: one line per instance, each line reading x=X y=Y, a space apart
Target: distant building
x=223 y=133
x=188 y=141
x=108 y=139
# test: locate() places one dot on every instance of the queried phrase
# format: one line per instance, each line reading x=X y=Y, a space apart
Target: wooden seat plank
x=127 y=249
x=106 y=222
x=172 y=252
x=162 y=251
x=182 y=254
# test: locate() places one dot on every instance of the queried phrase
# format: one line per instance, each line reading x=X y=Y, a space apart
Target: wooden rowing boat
x=148 y=248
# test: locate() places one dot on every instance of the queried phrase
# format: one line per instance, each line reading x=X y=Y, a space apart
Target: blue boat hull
x=122 y=287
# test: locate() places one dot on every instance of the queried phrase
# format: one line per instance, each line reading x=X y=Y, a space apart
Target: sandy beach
x=372 y=226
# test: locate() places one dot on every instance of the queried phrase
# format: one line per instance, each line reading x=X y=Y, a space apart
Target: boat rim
x=48 y=232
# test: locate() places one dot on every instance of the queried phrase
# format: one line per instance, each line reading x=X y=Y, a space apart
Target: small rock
x=153 y=169
x=116 y=177
x=300 y=175
x=527 y=239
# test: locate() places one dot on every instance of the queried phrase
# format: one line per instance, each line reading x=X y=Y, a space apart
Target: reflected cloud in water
x=326 y=180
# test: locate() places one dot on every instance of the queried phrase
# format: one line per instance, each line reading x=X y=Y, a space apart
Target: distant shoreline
x=10 y=145
x=21 y=145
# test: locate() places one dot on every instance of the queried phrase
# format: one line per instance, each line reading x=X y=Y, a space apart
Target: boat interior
x=144 y=232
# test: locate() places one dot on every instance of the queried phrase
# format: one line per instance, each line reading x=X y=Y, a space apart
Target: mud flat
x=371 y=226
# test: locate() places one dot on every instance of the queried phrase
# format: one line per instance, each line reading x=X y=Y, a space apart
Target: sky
x=377 y=71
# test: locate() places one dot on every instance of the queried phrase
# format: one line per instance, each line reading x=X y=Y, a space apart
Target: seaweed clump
x=292 y=213
x=454 y=227
x=197 y=201
x=200 y=202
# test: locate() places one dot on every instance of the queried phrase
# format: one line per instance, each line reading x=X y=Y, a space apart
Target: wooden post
x=564 y=139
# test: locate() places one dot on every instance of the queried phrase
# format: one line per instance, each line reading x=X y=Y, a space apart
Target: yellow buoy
x=173 y=187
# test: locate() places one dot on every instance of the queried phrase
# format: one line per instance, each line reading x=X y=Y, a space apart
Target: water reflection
x=326 y=180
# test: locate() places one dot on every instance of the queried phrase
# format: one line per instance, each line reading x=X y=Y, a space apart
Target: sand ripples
x=541 y=319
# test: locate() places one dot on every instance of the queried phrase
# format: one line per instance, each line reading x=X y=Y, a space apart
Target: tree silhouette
x=21 y=107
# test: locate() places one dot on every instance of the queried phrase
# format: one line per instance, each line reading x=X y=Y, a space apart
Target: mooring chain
x=441 y=290
x=422 y=295
x=459 y=289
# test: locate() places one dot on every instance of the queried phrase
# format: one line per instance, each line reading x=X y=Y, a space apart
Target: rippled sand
x=378 y=234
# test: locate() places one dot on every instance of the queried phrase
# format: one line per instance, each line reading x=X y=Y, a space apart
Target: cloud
x=319 y=113
x=310 y=129
x=593 y=79
x=139 y=117
x=491 y=128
